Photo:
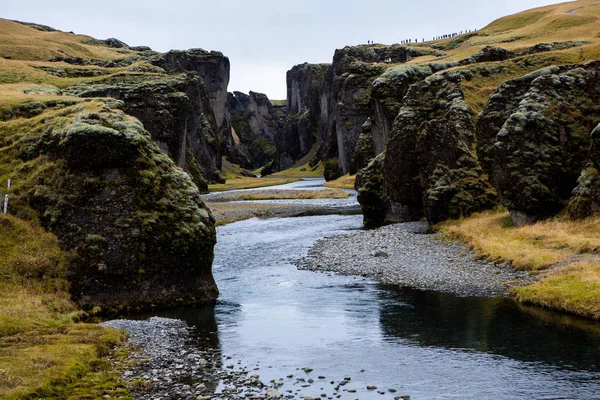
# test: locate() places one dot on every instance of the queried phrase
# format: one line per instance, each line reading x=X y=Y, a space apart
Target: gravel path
x=404 y=254
x=170 y=365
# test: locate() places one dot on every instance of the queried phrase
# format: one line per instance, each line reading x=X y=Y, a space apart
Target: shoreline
x=405 y=254
x=168 y=363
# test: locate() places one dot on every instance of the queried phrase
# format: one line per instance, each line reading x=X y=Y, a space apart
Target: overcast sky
x=263 y=38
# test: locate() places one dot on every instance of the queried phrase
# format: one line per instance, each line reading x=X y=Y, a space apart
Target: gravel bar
x=169 y=364
x=406 y=255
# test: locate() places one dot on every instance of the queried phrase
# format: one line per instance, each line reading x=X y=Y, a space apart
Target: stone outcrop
x=304 y=107
x=257 y=124
x=372 y=194
x=533 y=138
x=429 y=168
x=175 y=109
x=214 y=70
x=140 y=235
x=585 y=200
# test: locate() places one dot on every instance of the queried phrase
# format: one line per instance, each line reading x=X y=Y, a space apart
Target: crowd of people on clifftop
x=441 y=37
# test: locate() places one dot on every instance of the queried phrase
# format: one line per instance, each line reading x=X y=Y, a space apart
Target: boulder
x=533 y=138
x=140 y=235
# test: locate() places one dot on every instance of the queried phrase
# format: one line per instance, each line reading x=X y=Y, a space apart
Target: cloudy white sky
x=263 y=38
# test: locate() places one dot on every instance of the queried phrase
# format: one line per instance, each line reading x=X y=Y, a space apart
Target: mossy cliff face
x=257 y=124
x=585 y=200
x=353 y=74
x=387 y=94
x=372 y=194
x=533 y=138
x=429 y=167
x=302 y=125
x=213 y=68
x=139 y=234
x=175 y=109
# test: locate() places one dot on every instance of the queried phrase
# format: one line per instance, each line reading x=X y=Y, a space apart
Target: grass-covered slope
x=44 y=353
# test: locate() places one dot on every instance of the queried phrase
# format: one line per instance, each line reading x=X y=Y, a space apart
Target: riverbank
x=168 y=363
x=405 y=255
x=563 y=254
x=302 y=198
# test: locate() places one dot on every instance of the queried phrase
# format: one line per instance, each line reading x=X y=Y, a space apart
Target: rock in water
x=140 y=235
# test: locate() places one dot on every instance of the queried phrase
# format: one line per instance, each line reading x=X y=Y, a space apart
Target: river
x=275 y=320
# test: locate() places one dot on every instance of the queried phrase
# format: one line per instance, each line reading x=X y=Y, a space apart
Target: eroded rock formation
x=257 y=124
x=140 y=235
x=175 y=109
x=533 y=138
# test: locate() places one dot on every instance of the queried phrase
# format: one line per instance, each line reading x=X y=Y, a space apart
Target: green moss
x=331 y=169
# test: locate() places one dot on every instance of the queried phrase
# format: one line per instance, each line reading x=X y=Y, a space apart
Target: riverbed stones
x=416 y=259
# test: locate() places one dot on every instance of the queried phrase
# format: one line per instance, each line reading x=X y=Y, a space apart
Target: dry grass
x=281 y=195
x=575 y=289
x=565 y=253
x=532 y=248
x=343 y=182
x=43 y=352
x=302 y=171
x=240 y=182
x=20 y=42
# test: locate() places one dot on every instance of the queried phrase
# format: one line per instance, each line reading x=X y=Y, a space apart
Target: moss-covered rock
x=430 y=168
x=175 y=109
x=533 y=138
x=139 y=233
x=585 y=200
x=371 y=193
x=331 y=169
x=365 y=148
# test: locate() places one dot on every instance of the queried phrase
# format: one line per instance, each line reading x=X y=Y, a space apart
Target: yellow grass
x=20 y=42
x=343 y=182
x=281 y=195
x=302 y=171
x=239 y=183
x=43 y=352
x=532 y=248
x=574 y=289
x=565 y=254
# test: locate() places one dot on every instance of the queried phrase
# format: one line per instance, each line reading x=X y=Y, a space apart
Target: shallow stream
x=275 y=320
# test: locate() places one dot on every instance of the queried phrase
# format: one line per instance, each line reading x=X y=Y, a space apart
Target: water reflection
x=496 y=326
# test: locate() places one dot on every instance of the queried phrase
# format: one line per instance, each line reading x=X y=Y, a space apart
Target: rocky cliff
x=175 y=109
x=97 y=162
x=429 y=167
x=257 y=125
x=304 y=109
x=585 y=201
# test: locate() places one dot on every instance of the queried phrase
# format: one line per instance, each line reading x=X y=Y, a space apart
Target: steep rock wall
x=429 y=167
x=301 y=128
x=257 y=124
x=175 y=109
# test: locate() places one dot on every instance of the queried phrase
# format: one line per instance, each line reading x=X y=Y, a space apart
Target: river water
x=275 y=320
